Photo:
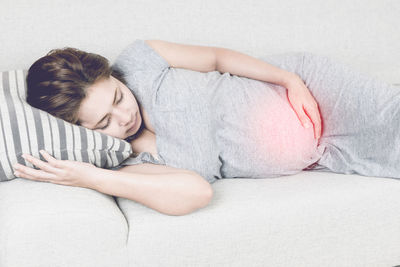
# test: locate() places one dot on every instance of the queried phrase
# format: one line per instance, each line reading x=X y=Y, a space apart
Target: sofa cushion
x=45 y=224
x=308 y=219
x=25 y=129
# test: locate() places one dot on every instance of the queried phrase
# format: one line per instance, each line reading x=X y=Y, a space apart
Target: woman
x=171 y=98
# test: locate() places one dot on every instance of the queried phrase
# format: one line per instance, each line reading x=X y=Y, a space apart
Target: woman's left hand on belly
x=304 y=104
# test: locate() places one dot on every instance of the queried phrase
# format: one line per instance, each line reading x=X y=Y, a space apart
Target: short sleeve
x=142 y=68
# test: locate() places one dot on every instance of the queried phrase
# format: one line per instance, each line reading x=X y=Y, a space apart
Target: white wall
x=364 y=34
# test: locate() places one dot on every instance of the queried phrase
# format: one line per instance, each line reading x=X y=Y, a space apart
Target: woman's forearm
x=240 y=64
x=170 y=193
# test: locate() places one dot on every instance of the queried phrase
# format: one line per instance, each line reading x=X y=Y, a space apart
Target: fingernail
x=23 y=155
x=16 y=173
x=307 y=125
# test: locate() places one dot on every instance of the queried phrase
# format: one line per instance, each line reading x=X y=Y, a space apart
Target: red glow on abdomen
x=280 y=136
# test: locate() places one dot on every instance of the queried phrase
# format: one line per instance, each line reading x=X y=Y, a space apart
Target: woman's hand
x=64 y=172
x=300 y=98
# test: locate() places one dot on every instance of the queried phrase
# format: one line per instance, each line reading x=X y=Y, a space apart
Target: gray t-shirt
x=228 y=126
x=216 y=124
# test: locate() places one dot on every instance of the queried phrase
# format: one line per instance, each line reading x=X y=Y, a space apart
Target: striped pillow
x=25 y=129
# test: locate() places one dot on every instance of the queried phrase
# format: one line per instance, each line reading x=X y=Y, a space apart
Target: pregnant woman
x=197 y=114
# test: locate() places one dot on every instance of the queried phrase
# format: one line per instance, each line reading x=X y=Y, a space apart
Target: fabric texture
x=45 y=224
x=228 y=126
x=25 y=129
x=310 y=219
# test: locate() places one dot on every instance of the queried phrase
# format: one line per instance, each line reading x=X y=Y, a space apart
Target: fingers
x=302 y=115
x=38 y=175
x=49 y=158
x=305 y=121
x=304 y=103
x=46 y=172
x=40 y=164
x=315 y=117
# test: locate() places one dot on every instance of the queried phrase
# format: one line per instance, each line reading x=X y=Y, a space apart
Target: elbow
x=205 y=192
x=199 y=203
x=222 y=58
x=200 y=197
x=209 y=194
x=205 y=197
x=217 y=55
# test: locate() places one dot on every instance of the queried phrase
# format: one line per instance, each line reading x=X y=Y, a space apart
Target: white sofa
x=309 y=219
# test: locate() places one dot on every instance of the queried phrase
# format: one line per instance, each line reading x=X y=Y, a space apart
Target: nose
x=124 y=117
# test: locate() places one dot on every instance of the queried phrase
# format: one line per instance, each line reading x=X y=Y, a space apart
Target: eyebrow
x=105 y=116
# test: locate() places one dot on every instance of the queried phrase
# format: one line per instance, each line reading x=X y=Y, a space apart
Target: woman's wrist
x=289 y=78
x=94 y=179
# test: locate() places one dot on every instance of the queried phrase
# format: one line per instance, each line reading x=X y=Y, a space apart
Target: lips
x=133 y=125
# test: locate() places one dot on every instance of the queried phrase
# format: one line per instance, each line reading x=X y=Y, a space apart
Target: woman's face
x=110 y=108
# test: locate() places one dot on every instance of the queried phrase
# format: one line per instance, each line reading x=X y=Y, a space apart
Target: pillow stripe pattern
x=25 y=129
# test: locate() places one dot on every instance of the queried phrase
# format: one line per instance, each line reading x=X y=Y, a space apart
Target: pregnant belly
x=279 y=135
x=259 y=134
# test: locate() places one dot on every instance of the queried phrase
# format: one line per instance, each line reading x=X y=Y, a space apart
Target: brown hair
x=57 y=83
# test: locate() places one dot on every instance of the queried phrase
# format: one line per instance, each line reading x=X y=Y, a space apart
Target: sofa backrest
x=362 y=33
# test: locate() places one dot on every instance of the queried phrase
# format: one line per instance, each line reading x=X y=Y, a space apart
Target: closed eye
x=122 y=97
x=108 y=121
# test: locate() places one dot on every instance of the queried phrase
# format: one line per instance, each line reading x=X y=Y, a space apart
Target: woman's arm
x=163 y=188
x=166 y=189
x=241 y=64
x=210 y=58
